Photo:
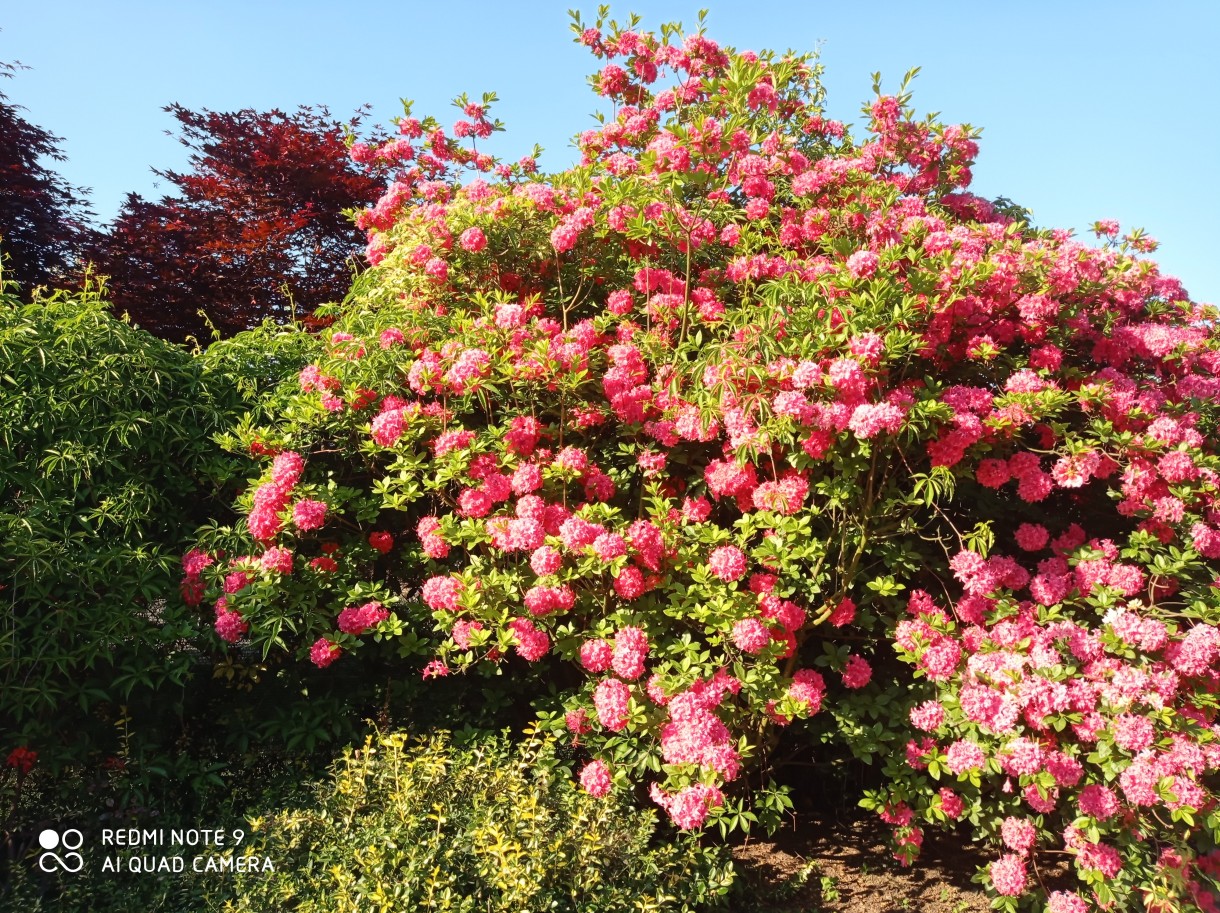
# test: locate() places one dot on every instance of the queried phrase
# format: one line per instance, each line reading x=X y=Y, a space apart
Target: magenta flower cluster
x=743 y=418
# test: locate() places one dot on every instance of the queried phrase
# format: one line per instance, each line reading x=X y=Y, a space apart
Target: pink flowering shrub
x=745 y=420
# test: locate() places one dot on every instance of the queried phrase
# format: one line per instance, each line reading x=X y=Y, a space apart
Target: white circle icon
x=71 y=861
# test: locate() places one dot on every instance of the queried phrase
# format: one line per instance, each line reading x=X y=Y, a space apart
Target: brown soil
x=847 y=868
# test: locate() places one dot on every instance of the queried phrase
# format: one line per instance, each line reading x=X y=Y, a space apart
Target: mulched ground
x=846 y=867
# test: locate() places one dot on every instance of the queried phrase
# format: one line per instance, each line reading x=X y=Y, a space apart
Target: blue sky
x=1089 y=109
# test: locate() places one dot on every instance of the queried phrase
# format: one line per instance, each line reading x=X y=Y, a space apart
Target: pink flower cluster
x=357 y=620
x=771 y=387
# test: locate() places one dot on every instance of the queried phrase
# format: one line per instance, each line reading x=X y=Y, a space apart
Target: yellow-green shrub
x=490 y=827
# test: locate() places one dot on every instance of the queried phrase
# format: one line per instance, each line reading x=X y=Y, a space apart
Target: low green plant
x=830 y=888
x=425 y=825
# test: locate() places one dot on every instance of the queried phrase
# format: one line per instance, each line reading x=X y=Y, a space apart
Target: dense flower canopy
x=748 y=420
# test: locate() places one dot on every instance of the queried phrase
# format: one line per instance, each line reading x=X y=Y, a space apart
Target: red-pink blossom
x=357 y=620
x=630 y=652
x=928 y=716
x=473 y=240
x=857 y=672
x=442 y=593
x=844 y=613
x=1008 y=875
x=728 y=562
x=611 y=697
x=1018 y=834
x=323 y=652
x=595 y=778
x=751 y=635
x=862 y=264
x=230 y=626
x=532 y=643
x=277 y=560
x=307 y=514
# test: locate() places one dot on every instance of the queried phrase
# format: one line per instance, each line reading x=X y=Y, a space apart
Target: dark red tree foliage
x=42 y=218
x=256 y=228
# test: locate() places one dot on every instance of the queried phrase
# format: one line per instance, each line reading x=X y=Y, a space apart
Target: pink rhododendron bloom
x=323 y=652
x=1177 y=466
x=857 y=672
x=1008 y=875
x=1133 y=733
x=532 y=643
x=1098 y=802
x=696 y=510
x=450 y=441
x=1032 y=537
x=435 y=668
x=428 y=530
x=1100 y=857
x=286 y=469
x=963 y=756
x=647 y=544
x=391 y=337
x=751 y=635
x=473 y=240
x=862 y=264
x=950 y=803
x=630 y=583
x=277 y=560
x=808 y=688
x=230 y=626
x=727 y=562
x=475 y=502
x=1066 y=902
x=928 y=716
x=195 y=562
x=689 y=807
x=695 y=735
x=388 y=427
x=611 y=698
x=578 y=533
x=869 y=419
x=844 y=613
x=1019 y=835
x=381 y=541
x=993 y=474
x=940 y=660
x=545 y=600
x=630 y=652
x=359 y=619
x=462 y=631
x=596 y=655
x=577 y=722
x=595 y=778
x=442 y=593
x=264 y=523
x=609 y=546
x=545 y=560
x=656 y=691
x=237 y=581
x=308 y=514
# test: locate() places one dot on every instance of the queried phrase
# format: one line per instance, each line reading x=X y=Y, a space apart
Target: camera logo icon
x=70 y=841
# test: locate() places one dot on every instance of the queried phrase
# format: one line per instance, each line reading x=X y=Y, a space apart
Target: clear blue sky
x=1089 y=109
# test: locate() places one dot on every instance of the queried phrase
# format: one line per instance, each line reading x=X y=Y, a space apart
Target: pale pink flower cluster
x=595 y=778
x=727 y=562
